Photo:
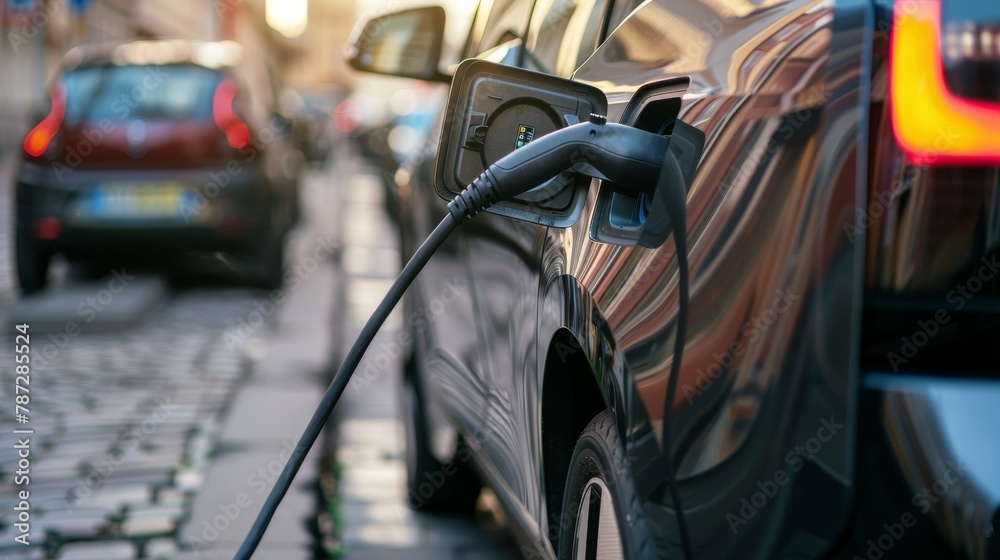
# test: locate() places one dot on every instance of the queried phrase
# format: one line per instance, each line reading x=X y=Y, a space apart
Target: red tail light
x=48 y=228
x=236 y=131
x=38 y=139
x=932 y=125
x=345 y=116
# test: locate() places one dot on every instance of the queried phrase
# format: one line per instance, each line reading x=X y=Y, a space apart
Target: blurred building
x=36 y=34
x=321 y=57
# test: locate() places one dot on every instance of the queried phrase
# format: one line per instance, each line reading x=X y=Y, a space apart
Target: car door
x=504 y=257
x=491 y=250
x=440 y=313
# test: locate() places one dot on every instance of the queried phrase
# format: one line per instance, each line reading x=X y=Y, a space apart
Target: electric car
x=157 y=148
x=837 y=395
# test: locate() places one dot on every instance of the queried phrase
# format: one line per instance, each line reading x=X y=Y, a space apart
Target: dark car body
x=313 y=126
x=156 y=148
x=838 y=393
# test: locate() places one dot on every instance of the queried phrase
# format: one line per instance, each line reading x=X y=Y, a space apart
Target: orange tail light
x=37 y=140
x=931 y=124
x=236 y=131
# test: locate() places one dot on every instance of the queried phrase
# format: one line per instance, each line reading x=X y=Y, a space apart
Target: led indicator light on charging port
x=525 y=134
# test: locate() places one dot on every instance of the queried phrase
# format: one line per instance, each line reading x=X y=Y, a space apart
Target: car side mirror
x=406 y=44
x=495 y=109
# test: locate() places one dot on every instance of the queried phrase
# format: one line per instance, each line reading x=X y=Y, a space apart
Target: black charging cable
x=673 y=201
x=622 y=154
x=336 y=389
x=480 y=195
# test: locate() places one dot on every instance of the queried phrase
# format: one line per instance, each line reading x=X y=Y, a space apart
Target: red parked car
x=155 y=149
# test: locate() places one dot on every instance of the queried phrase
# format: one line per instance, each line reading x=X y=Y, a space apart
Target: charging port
x=628 y=211
x=621 y=211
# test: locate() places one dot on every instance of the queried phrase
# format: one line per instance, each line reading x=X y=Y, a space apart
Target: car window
x=621 y=10
x=564 y=33
x=171 y=92
x=593 y=32
x=505 y=20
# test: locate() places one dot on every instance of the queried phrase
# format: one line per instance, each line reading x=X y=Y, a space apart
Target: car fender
x=565 y=304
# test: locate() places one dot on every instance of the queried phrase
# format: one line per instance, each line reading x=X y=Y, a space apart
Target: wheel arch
x=565 y=415
x=582 y=373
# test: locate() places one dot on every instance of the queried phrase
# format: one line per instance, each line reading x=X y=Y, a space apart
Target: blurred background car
x=313 y=128
x=153 y=149
x=395 y=129
x=365 y=113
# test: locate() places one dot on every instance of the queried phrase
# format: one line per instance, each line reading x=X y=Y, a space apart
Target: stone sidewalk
x=291 y=354
x=371 y=497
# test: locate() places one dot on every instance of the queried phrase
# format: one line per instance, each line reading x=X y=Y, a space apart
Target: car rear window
x=167 y=92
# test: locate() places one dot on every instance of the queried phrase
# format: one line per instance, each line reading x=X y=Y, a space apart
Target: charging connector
x=613 y=152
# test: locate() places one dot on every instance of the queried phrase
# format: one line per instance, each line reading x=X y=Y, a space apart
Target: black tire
x=269 y=270
x=88 y=270
x=295 y=204
x=296 y=210
x=432 y=486
x=32 y=264
x=598 y=470
x=267 y=264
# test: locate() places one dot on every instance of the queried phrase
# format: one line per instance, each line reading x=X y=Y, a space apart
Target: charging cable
x=615 y=152
x=673 y=201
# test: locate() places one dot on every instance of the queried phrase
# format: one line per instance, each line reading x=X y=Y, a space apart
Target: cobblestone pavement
x=123 y=425
x=134 y=428
x=7 y=282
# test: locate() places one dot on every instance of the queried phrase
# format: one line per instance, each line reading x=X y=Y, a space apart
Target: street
x=686 y=280
x=163 y=408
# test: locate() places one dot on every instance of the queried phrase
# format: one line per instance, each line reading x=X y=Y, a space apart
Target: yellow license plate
x=138 y=200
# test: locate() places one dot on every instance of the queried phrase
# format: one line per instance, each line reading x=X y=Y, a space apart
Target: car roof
x=210 y=54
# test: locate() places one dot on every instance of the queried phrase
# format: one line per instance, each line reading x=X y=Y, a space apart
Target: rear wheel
x=32 y=263
x=432 y=485
x=268 y=264
x=295 y=206
x=602 y=514
x=269 y=270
